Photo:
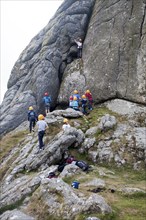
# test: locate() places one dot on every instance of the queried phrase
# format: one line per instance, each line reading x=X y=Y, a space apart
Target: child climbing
x=32 y=118
x=42 y=125
x=89 y=98
x=66 y=124
x=79 y=43
x=47 y=101
x=84 y=104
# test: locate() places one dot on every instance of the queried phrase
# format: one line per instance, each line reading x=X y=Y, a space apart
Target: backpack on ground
x=70 y=159
x=83 y=165
x=51 y=175
x=61 y=167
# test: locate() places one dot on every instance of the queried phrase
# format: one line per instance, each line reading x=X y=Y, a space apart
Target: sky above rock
x=20 y=22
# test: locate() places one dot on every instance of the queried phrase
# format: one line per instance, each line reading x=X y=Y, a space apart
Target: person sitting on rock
x=66 y=124
x=90 y=99
x=32 y=118
x=79 y=43
x=42 y=125
x=47 y=101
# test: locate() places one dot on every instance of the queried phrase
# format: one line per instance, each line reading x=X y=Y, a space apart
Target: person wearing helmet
x=47 y=101
x=84 y=104
x=66 y=124
x=32 y=118
x=75 y=104
x=76 y=94
x=79 y=43
x=71 y=101
x=89 y=98
x=42 y=125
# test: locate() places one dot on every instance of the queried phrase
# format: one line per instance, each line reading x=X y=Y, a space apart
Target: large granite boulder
x=112 y=66
x=41 y=65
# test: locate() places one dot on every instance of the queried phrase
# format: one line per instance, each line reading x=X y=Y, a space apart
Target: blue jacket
x=32 y=115
x=47 y=99
x=78 y=96
x=75 y=104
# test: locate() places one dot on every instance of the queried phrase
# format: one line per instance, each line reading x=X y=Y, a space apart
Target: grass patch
x=5 y=167
x=51 y=131
x=131 y=207
x=11 y=206
x=110 y=216
x=9 y=141
x=38 y=208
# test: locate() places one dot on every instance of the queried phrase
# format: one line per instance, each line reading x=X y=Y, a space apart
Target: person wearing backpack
x=47 y=101
x=42 y=125
x=32 y=118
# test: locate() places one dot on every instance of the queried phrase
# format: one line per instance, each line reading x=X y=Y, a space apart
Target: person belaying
x=84 y=104
x=79 y=43
x=47 y=101
x=90 y=99
x=66 y=124
x=71 y=101
x=42 y=125
x=32 y=118
x=75 y=104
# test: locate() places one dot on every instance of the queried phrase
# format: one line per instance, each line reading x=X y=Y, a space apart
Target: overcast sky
x=20 y=22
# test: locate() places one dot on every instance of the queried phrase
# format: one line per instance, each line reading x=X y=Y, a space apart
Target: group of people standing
x=81 y=103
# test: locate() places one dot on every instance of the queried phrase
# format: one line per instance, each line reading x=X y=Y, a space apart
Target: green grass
x=11 y=206
x=8 y=142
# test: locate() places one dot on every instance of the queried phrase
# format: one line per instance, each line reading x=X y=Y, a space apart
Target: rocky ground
x=111 y=139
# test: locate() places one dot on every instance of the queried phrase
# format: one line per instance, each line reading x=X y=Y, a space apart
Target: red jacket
x=89 y=96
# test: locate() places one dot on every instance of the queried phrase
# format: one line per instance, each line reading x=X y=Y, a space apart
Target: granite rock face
x=112 y=66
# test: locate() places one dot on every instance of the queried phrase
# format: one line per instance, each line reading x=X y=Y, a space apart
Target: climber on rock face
x=90 y=99
x=32 y=118
x=79 y=43
x=66 y=124
x=42 y=125
x=47 y=101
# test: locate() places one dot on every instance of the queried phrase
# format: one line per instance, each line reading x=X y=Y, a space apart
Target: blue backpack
x=31 y=114
x=47 y=99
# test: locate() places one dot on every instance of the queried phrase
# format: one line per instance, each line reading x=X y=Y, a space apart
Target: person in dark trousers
x=32 y=118
x=88 y=94
x=84 y=104
x=47 y=101
x=42 y=125
x=79 y=43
